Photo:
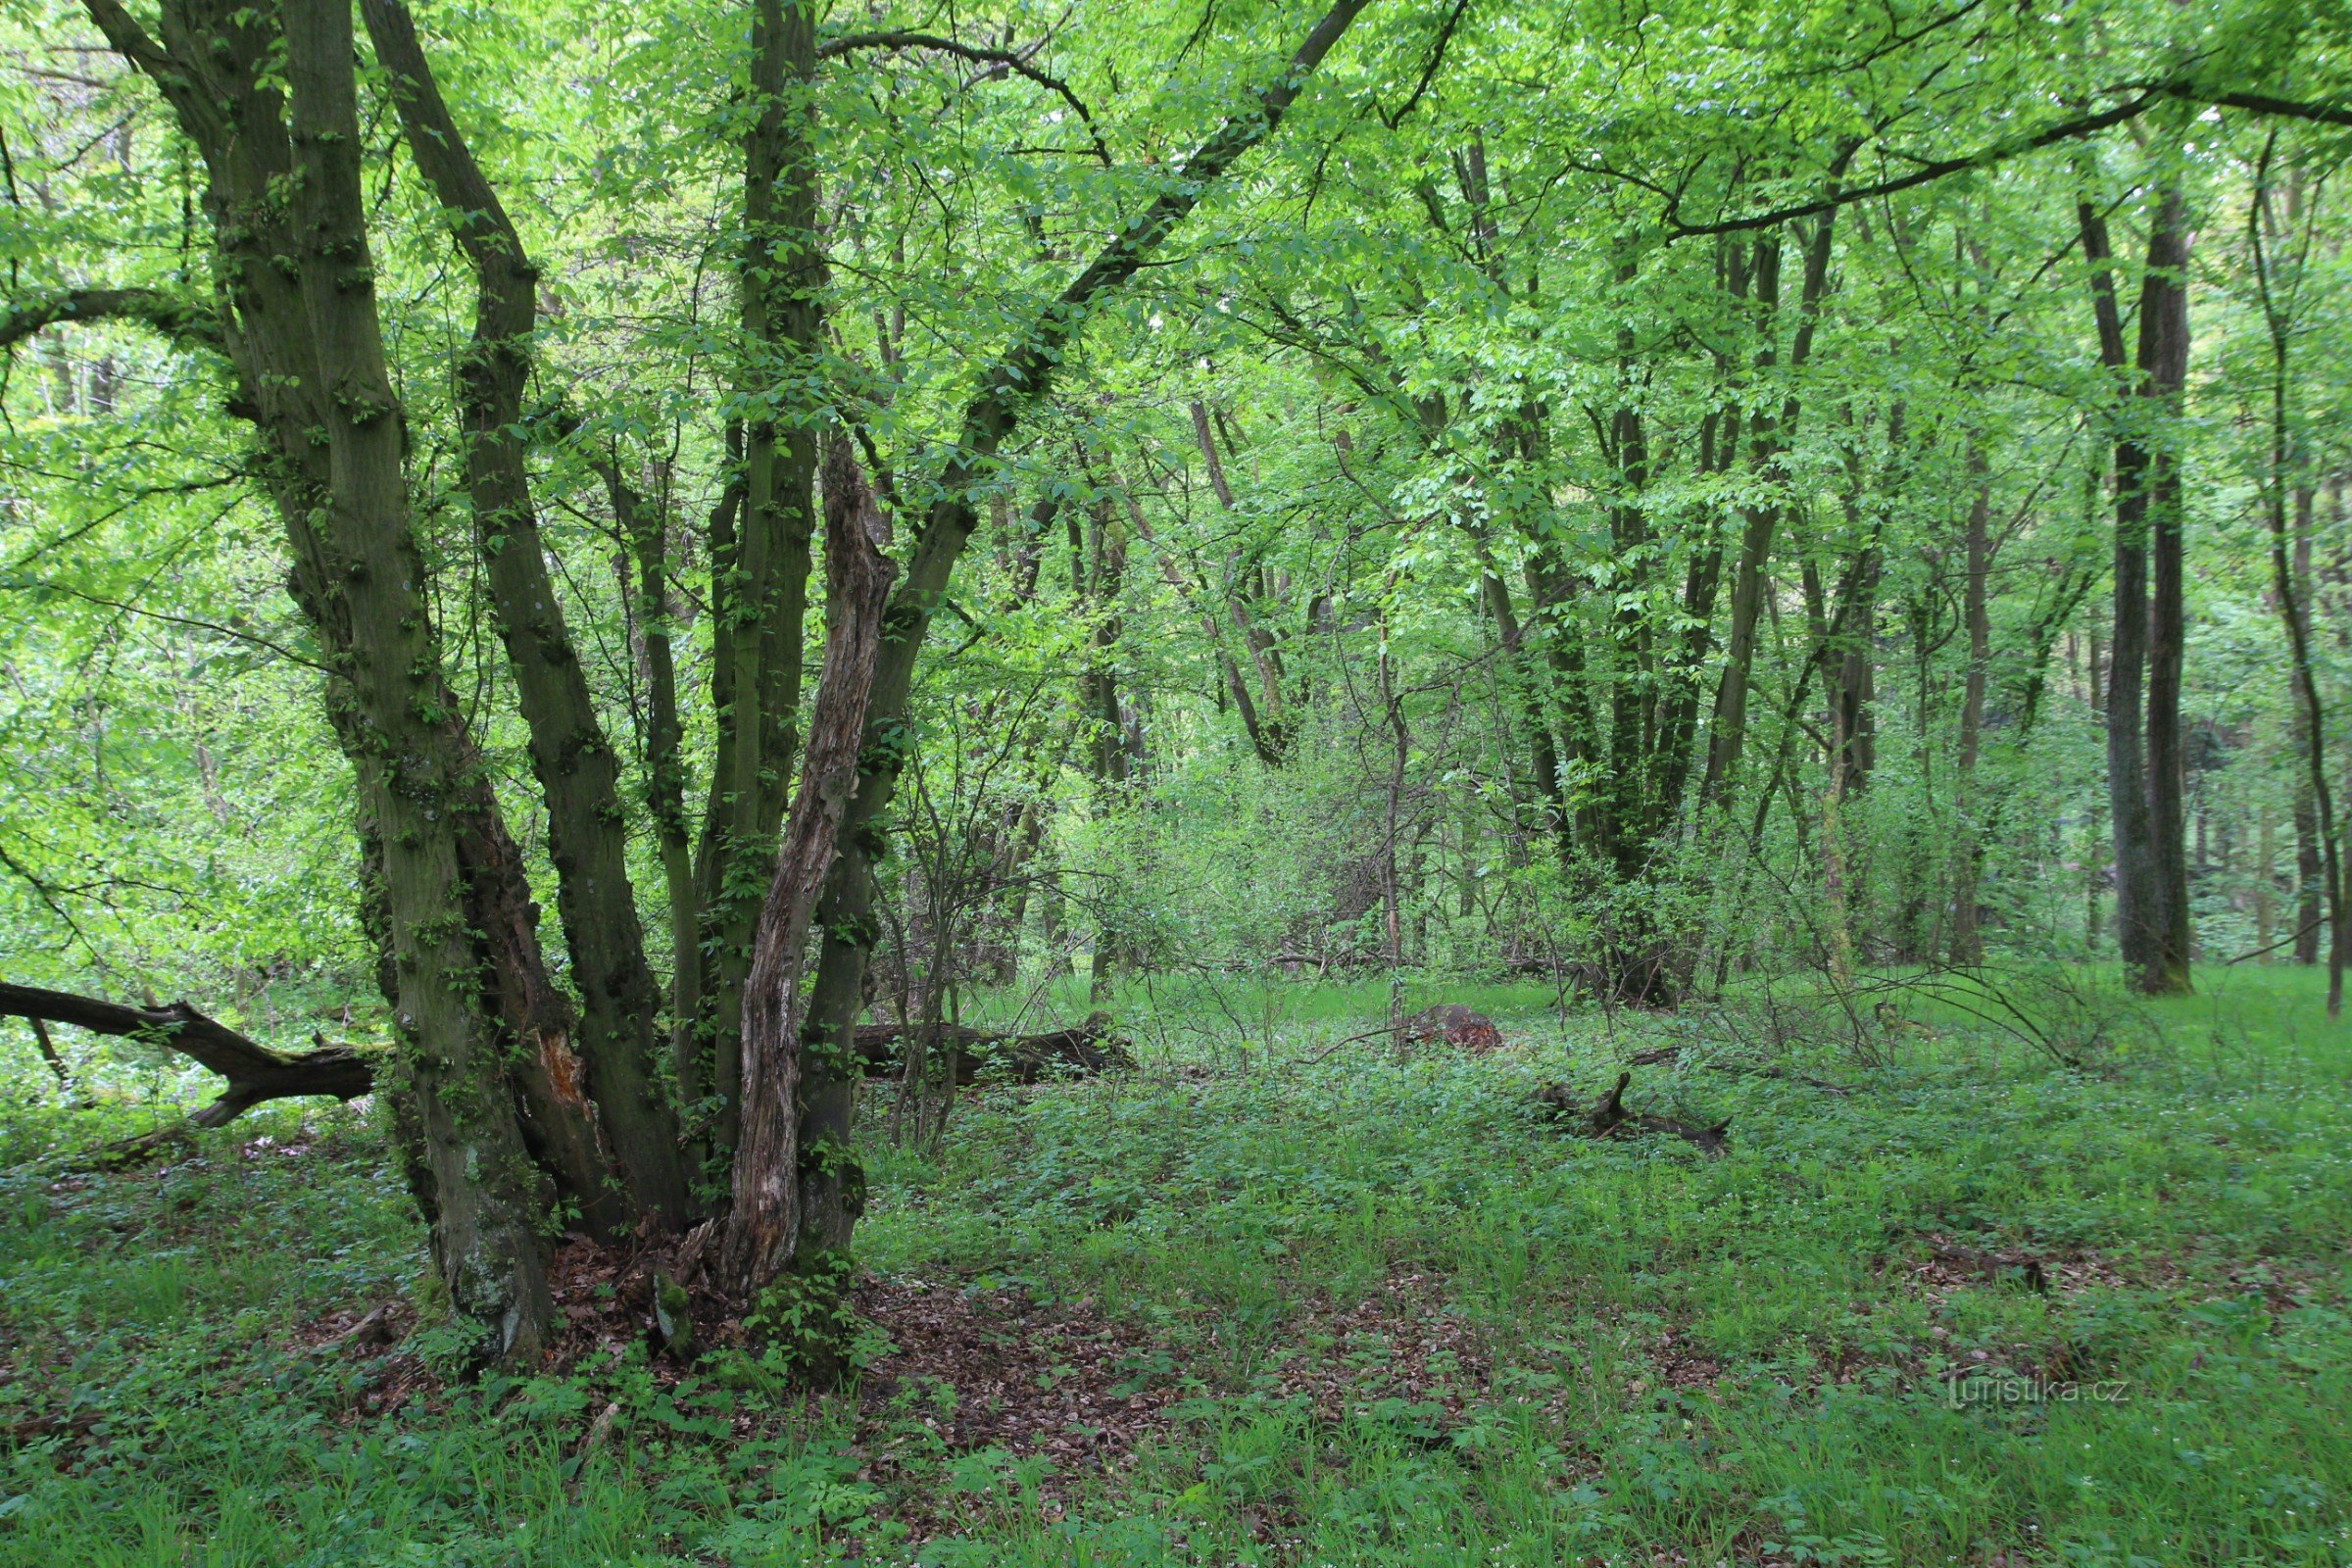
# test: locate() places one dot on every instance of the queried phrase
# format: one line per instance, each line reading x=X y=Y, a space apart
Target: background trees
x=1635 y=503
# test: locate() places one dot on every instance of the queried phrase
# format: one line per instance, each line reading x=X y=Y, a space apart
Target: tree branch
x=185 y=322
x=1004 y=59
x=2000 y=152
x=254 y=1071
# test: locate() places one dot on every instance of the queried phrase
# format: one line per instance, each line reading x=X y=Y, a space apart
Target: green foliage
x=1704 y=1355
x=1327 y=622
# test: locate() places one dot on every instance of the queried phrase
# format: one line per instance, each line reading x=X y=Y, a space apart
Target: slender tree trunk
x=765 y=604
x=780 y=1066
x=574 y=763
x=2163 y=365
x=1968 y=942
x=1768 y=444
x=1523 y=680
x=1392 y=708
x=2309 y=913
x=2266 y=873
x=2291 y=610
x=2135 y=914
x=1273 y=732
x=1097 y=563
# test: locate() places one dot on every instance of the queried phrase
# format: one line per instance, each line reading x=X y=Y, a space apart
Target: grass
x=1641 y=1354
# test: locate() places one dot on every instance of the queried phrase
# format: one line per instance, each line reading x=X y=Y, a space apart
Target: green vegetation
x=1579 y=1350
x=1068 y=781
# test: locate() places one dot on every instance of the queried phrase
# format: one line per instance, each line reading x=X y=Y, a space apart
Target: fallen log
x=254 y=1071
x=1608 y=1117
x=1084 y=1052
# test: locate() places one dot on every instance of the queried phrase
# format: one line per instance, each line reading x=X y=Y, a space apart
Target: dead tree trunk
x=779 y=1063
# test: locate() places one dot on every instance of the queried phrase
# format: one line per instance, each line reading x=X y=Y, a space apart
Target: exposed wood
x=763 y=1226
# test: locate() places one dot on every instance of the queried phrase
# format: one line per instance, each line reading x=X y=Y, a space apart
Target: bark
x=2164 y=368
x=779 y=1063
x=1082 y=1052
x=1273 y=734
x=254 y=1071
x=1391 y=707
x=216 y=70
x=573 y=760
x=1526 y=688
x=233 y=111
x=2074 y=587
x=49 y=1053
x=1195 y=594
x=1098 y=563
x=1768 y=446
x=1630 y=704
x=2312 y=723
x=2309 y=858
x=487 y=1199
x=2128 y=657
x=216 y=79
x=765 y=600
x=666 y=761
x=185 y=321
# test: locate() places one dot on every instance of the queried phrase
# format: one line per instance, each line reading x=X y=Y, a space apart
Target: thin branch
x=1429 y=72
x=1003 y=59
x=104 y=602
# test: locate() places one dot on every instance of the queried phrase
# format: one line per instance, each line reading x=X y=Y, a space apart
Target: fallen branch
x=1446 y=1024
x=254 y=1071
x=1081 y=1053
x=1608 y=1117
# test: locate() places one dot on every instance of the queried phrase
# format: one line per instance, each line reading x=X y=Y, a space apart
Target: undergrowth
x=1963 y=1305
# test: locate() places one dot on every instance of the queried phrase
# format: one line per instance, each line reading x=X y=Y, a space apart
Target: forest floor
x=1961 y=1304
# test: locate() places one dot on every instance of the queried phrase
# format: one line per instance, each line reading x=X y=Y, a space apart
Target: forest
x=1205 y=781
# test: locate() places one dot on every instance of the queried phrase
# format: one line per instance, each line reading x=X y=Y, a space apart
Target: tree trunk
x=572 y=760
x=2135 y=914
x=1271 y=708
x=486 y=1199
x=1768 y=445
x=1968 y=940
x=2164 y=366
x=765 y=602
x=2312 y=725
x=787 y=1075
x=1098 y=564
